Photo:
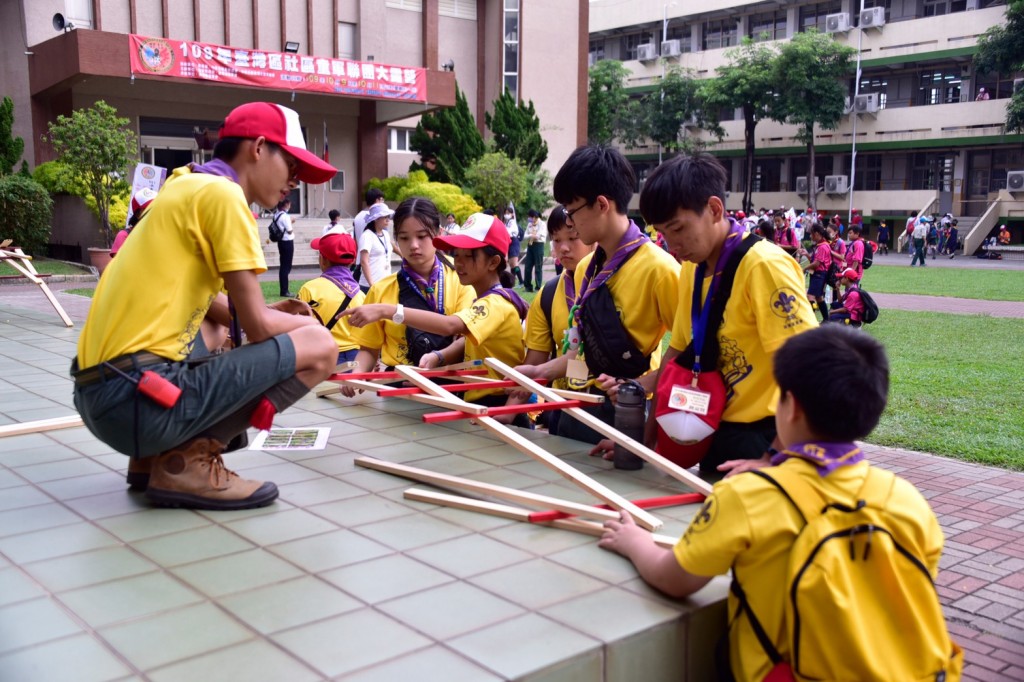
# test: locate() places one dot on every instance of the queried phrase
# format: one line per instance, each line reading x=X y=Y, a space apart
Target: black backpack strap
x=709 y=358
x=334 y=318
x=547 y=300
x=762 y=636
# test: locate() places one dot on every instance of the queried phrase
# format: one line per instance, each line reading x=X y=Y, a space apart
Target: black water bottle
x=629 y=419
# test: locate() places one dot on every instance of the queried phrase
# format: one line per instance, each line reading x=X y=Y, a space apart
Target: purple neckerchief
x=424 y=286
x=827 y=457
x=342 y=278
x=700 y=314
x=215 y=167
x=594 y=278
x=569 y=277
x=509 y=295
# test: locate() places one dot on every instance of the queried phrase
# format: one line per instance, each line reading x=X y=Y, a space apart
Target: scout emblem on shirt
x=782 y=303
x=704 y=517
x=479 y=312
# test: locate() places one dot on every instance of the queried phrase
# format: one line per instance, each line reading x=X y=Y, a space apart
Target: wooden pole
x=40 y=426
x=491 y=490
x=517 y=514
x=532 y=449
x=637 y=448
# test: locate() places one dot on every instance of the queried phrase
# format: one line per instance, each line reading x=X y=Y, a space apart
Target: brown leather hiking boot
x=193 y=475
x=138 y=472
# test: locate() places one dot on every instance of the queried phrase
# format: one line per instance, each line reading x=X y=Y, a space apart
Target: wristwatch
x=399 y=316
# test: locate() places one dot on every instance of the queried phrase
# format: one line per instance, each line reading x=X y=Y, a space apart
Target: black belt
x=90 y=375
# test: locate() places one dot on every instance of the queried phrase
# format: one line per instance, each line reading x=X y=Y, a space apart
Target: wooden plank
x=645 y=503
x=637 y=448
x=517 y=514
x=21 y=263
x=40 y=426
x=528 y=447
x=489 y=489
x=436 y=417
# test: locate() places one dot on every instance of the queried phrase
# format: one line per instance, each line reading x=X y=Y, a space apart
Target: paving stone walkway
x=980 y=508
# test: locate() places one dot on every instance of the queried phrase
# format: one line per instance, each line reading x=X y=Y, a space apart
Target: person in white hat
x=147 y=381
x=375 y=246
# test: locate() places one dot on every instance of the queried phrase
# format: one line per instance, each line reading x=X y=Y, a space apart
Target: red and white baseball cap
x=336 y=247
x=478 y=231
x=279 y=125
x=142 y=198
x=850 y=274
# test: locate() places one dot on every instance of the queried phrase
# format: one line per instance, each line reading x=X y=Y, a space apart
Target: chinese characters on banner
x=280 y=70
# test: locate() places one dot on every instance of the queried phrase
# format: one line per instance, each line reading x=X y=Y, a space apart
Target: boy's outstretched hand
x=625 y=537
x=368 y=313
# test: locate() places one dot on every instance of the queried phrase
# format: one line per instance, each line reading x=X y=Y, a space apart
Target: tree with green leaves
x=496 y=180
x=448 y=142
x=11 y=147
x=516 y=131
x=1001 y=50
x=747 y=83
x=810 y=78
x=99 y=146
x=675 y=101
x=611 y=113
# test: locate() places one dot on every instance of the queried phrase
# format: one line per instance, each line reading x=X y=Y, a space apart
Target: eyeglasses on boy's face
x=569 y=213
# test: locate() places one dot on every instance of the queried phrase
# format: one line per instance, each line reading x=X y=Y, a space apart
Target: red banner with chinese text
x=279 y=70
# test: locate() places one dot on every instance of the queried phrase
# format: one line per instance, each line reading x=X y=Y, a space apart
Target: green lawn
x=49 y=267
x=990 y=285
x=955 y=385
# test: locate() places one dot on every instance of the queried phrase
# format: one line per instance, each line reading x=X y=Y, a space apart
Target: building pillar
x=372 y=144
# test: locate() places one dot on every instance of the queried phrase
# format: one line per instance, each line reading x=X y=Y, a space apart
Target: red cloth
x=263 y=416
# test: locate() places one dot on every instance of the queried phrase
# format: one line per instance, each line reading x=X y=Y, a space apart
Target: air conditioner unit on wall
x=670 y=48
x=972 y=5
x=966 y=70
x=866 y=104
x=1015 y=181
x=873 y=17
x=646 y=52
x=837 y=184
x=801 y=185
x=837 y=23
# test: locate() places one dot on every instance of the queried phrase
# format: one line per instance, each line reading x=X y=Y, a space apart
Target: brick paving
x=980 y=508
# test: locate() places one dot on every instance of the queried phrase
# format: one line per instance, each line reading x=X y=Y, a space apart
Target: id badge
x=689 y=399
x=577 y=369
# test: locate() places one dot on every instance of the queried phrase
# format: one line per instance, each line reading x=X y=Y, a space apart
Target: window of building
x=878 y=85
x=398 y=139
x=460 y=9
x=939 y=86
x=347 y=40
x=932 y=171
x=813 y=16
x=767 y=175
x=721 y=33
x=630 y=41
x=1004 y=160
x=596 y=51
x=410 y=5
x=868 y=175
x=510 y=55
x=997 y=85
x=78 y=12
x=767 y=26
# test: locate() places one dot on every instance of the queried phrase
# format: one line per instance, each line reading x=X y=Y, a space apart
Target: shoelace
x=219 y=474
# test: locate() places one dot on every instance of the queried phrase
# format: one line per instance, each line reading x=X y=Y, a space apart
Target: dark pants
x=287 y=251
x=534 y=262
x=570 y=427
x=734 y=440
x=918 y=252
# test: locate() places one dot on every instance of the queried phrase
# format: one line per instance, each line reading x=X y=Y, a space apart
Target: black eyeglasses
x=569 y=214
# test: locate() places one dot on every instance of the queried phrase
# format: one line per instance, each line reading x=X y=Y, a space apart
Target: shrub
x=27 y=208
x=447 y=198
x=59 y=178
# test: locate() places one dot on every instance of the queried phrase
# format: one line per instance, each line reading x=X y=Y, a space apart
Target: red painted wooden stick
x=648 y=503
x=454 y=388
x=433 y=417
x=369 y=376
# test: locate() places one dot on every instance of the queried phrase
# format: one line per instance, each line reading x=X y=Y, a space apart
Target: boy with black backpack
x=833 y=560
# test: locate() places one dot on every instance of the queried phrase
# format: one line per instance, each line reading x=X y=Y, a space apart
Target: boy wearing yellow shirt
x=626 y=291
x=747 y=525
x=149 y=380
x=335 y=289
